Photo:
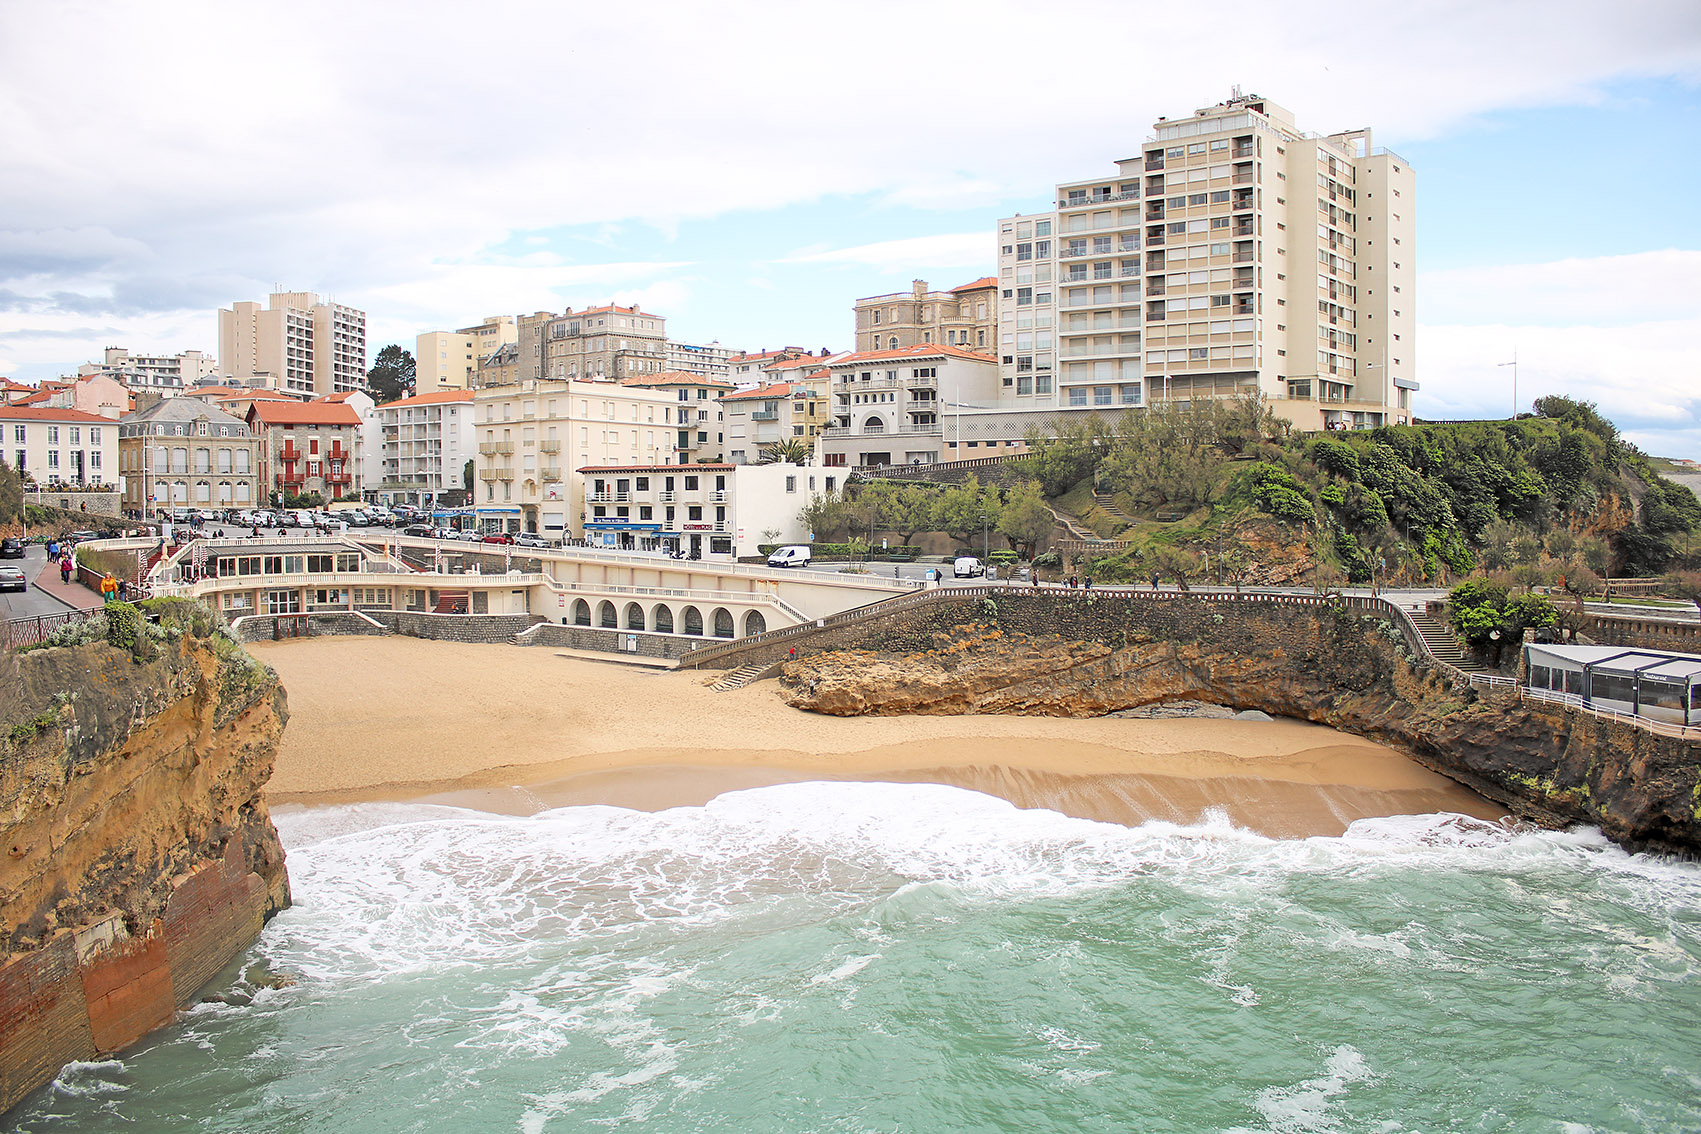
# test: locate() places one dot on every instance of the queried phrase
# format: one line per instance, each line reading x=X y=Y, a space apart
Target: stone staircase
x=738 y=678
x=1107 y=501
x=1442 y=643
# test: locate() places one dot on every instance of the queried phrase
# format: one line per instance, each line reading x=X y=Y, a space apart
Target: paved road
x=32 y=602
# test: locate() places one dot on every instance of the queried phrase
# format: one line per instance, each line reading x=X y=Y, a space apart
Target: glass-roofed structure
x=1648 y=683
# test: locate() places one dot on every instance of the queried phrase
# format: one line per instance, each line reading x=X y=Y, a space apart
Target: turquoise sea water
x=881 y=957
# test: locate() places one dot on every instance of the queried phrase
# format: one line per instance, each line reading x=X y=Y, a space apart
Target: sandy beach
x=517 y=730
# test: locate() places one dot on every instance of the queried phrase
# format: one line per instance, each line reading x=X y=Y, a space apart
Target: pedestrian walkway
x=74 y=595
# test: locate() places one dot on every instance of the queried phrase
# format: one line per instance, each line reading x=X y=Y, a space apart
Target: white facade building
x=426 y=442
x=166 y=374
x=59 y=446
x=891 y=407
x=701 y=511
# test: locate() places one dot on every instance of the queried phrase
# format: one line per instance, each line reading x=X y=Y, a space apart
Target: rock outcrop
x=137 y=857
x=1335 y=665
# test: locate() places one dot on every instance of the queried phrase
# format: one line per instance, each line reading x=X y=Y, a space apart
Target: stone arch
x=662 y=619
x=634 y=616
x=723 y=622
x=691 y=621
x=754 y=623
x=607 y=616
x=875 y=424
x=581 y=612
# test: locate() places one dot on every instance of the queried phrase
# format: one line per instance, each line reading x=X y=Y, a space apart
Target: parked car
x=792 y=555
x=967 y=567
x=83 y=535
x=497 y=537
x=531 y=539
x=13 y=579
x=420 y=531
x=11 y=548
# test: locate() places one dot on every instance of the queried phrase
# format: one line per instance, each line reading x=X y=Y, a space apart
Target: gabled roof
x=920 y=350
x=304 y=413
x=977 y=285
x=51 y=413
x=760 y=393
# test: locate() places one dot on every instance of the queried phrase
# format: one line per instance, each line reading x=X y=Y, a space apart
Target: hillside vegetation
x=1556 y=495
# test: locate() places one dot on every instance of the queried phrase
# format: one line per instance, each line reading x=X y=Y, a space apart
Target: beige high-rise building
x=1233 y=253
x=451 y=360
x=964 y=316
x=308 y=346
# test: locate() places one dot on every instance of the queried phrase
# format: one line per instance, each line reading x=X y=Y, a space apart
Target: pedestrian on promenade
x=124 y=590
x=53 y=549
x=1089 y=582
x=1154 y=580
x=108 y=587
x=65 y=569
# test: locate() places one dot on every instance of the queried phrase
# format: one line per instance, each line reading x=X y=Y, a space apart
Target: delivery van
x=792 y=555
x=967 y=567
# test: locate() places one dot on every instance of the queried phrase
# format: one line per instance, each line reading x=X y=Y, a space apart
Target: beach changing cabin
x=1647 y=683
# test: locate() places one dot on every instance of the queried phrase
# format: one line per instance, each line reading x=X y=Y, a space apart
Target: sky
x=749 y=170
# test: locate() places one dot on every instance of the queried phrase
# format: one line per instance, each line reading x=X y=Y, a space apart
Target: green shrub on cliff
x=1478 y=608
x=123 y=625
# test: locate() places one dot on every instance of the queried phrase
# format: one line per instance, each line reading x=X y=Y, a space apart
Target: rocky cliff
x=138 y=856
x=1333 y=664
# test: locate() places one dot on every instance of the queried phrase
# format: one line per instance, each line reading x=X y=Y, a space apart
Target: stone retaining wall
x=607 y=641
x=487 y=628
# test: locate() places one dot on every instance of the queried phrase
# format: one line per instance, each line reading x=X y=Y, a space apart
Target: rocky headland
x=138 y=856
x=1331 y=663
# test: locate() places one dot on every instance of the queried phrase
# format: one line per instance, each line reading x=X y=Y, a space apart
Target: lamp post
x=1514 y=365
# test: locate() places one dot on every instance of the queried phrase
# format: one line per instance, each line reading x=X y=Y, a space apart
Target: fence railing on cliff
x=29 y=631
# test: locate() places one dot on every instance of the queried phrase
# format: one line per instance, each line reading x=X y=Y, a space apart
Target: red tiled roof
x=797 y=363
x=674 y=378
x=50 y=413
x=920 y=350
x=305 y=413
x=983 y=282
x=439 y=397
x=777 y=390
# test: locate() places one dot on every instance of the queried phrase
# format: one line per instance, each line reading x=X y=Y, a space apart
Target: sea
x=870 y=957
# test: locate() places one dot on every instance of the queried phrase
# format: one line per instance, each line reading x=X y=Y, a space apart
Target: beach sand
x=520 y=729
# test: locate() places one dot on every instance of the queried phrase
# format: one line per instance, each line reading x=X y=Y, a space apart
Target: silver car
x=12 y=578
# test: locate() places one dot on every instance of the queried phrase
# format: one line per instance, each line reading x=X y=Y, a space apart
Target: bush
x=123 y=625
x=1479 y=607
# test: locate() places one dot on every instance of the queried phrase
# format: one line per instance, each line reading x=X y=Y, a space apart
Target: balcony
x=549 y=446
x=487 y=449
x=765 y=415
x=1241 y=179
x=289 y=478
x=551 y=474
x=1242 y=203
x=339 y=478
x=504 y=446
x=487 y=474
x=504 y=474
x=609 y=497
x=288 y=453
x=1241 y=258
x=1153 y=166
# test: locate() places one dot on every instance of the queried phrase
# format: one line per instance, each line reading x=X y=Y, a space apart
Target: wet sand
x=518 y=730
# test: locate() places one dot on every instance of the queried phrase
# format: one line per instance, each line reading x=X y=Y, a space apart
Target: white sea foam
x=85 y=1079
x=1308 y=1107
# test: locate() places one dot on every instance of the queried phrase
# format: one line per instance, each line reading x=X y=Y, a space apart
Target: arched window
x=754 y=623
x=581 y=612
x=874 y=425
x=723 y=622
x=693 y=620
x=606 y=615
x=634 y=616
x=892 y=343
x=664 y=620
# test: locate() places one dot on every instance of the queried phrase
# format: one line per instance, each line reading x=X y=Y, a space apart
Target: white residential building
x=703 y=511
x=1234 y=253
x=902 y=407
x=426 y=442
x=59 y=446
x=296 y=344
x=166 y=374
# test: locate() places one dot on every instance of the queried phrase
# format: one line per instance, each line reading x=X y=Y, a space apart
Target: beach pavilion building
x=1655 y=684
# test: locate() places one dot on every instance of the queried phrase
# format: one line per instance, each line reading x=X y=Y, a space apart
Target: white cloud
x=1601 y=290
x=953 y=250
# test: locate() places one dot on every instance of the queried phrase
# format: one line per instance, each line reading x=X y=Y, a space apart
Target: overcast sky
x=749 y=170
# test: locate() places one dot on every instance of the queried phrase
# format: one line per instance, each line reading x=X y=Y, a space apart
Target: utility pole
x=1514 y=365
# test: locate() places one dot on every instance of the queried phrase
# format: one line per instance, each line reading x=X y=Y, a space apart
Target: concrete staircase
x=740 y=677
x=1442 y=643
x=1107 y=502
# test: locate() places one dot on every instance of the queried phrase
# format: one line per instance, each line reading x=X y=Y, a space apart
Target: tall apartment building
x=307 y=346
x=965 y=316
x=426 y=442
x=1234 y=253
x=710 y=361
x=153 y=373
x=698 y=430
x=451 y=360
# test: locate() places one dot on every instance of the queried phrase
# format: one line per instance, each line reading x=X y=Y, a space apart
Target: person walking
x=108 y=587
x=52 y=549
x=65 y=569
x=1154 y=580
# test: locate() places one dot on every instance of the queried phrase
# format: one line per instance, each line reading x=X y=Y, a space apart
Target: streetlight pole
x=1514 y=365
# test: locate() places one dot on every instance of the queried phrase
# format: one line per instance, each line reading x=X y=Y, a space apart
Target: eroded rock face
x=1350 y=672
x=137 y=856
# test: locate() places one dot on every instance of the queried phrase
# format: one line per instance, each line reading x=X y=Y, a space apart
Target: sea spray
x=882 y=957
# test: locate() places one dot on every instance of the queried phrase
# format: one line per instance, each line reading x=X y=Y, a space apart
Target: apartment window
x=53 y=435
x=1043 y=228
x=1024 y=297
x=18 y=434
x=1024 y=251
x=1077 y=395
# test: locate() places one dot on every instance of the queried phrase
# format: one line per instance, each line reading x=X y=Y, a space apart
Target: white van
x=792 y=555
x=967 y=567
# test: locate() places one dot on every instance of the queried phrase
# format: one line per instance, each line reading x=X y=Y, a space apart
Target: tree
x=1485 y=615
x=823 y=516
x=391 y=375
x=791 y=451
x=966 y=509
x=11 y=494
x=467 y=477
x=1025 y=520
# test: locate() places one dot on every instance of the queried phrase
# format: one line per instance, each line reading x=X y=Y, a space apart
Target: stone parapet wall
x=1643 y=633
x=101 y=505
x=487 y=628
x=604 y=640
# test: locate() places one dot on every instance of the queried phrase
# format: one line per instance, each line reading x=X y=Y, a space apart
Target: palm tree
x=791 y=451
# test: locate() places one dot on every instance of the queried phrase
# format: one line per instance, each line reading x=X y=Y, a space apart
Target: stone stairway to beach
x=1107 y=502
x=1441 y=642
x=738 y=678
